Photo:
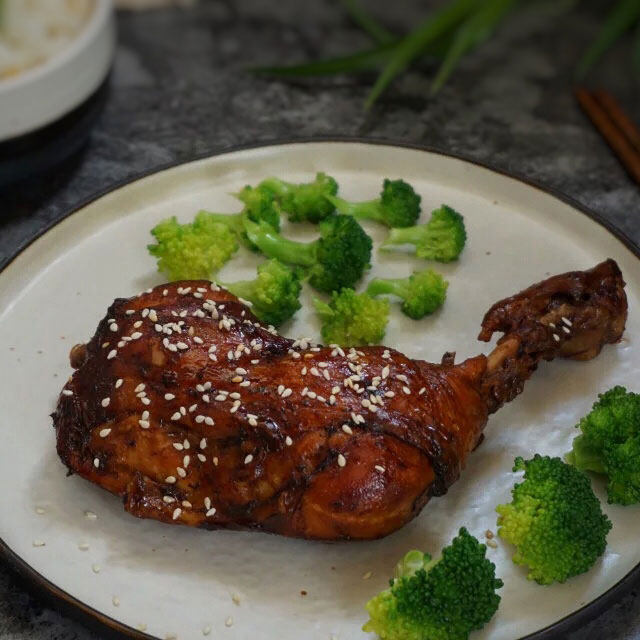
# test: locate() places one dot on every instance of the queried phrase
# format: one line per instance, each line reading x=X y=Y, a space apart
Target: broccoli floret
x=441 y=239
x=610 y=444
x=422 y=293
x=305 y=202
x=397 y=206
x=352 y=319
x=192 y=251
x=335 y=260
x=273 y=294
x=554 y=520
x=259 y=206
x=445 y=599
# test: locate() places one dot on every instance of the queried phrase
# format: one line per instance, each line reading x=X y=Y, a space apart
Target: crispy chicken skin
x=187 y=408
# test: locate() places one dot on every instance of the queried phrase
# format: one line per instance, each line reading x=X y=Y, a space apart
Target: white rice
x=32 y=31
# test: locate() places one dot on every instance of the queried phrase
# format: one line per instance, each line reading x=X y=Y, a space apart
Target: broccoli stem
x=379 y=286
x=280 y=188
x=273 y=245
x=369 y=209
x=245 y=289
x=404 y=235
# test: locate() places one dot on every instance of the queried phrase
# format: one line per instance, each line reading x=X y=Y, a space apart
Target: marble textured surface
x=178 y=89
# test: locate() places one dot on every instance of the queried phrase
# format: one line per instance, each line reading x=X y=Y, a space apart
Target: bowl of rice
x=54 y=54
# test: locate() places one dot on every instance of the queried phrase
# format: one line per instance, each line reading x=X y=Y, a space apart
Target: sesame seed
x=186 y=444
x=135 y=335
x=407 y=390
x=566 y=330
x=95 y=568
x=567 y=321
x=385 y=371
x=96 y=463
x=153 y=316
x=186 y=504
x=253 y=422
x=215 y=461
x=280 y=389
x=209 y=421
x=248 y=459
x=379 y=468
x=367 y=575
x=89 y=515
x=169 y=396
x=104 y=433
x=236 y=379
x=181 y=472
x=145 y=401
x=422 y=391
x=182 y=345
x=288 y=441
x=137 y=324
x=212 y=356
x=246 y=383
x=176 y=513
x=170 y=479
x=38 y=543
x=552 y=325
x=113 y=326
x=40 y=511
x=342 y=461
x=202 y=457
x=220 y=398
x=286 y=393
x=211 y=512
x=389 y=394
x=312 y=394
x=325 y=373
x=228 y=622
x=332 y=399
x=176 y=416
x=205 y=397
x=130 y=312
x=168 y=499
x=67 y=392
x=112 y=354
x=556 y=337
x=314 y=372
x=347 y=429
x=105 y=402
x=199 y=418
x=145 y=312
x=178 y=446
x=241 y=371
x=206 y=630
x=116 y=601
x=203 y=443
x=145 y=424
x=185 y=461
x=83 y=546
x=492 y=543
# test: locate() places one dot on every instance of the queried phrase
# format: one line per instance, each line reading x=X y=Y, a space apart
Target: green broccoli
x=352 y=319
x=258 y=206
x=554 y=520
x=445 y=599
x=441 y=239
x=397 y=206
x=192 y=251
x=273 y=294
x=422 y=293
x=336 y=260
x=610 y=444
x=305 y=202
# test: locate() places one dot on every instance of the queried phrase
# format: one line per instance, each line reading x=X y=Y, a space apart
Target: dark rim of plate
x=110 y=628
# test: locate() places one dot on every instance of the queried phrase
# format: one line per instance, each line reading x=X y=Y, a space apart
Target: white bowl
x=42 y=95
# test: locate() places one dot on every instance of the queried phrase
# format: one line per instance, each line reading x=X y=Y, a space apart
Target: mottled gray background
x=178 y=89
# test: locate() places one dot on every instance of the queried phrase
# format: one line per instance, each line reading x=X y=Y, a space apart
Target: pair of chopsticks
x=614 y=125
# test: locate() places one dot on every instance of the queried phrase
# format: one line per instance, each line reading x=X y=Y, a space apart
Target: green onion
x=411 y=46
x=367 y=23
x=474 y=30
x=624 y=15
x=368 y=59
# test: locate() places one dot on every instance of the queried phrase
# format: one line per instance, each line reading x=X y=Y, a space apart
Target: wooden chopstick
x=620 y=133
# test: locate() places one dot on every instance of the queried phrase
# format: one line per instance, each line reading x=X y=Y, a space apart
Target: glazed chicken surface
x=194 y=414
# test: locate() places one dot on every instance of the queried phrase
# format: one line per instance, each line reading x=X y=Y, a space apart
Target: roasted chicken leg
x=193 y=413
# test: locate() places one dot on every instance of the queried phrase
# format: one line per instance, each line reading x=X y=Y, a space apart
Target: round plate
x=178 y=580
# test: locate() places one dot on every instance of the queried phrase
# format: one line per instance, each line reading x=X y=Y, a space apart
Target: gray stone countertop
x=178 y=89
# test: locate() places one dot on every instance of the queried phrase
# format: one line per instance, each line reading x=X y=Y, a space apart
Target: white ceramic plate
x=41 y=95
x=178 y=580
